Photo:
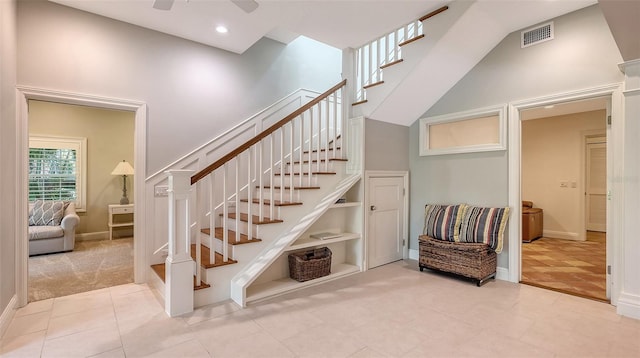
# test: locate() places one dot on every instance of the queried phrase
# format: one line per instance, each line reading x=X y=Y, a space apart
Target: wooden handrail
x=434 y=13
x=234 y=153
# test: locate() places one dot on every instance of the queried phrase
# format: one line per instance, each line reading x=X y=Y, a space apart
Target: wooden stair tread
x=321 y=160
x=306 y=173
x=275 y=202
x=206 y=259
x=288 y=187
x=256 y=219
x=375 y=83
x=321 y=150
x=159 y=269
x=390 y=64
x=231 y=236
x=359 y=102
x=411 y=40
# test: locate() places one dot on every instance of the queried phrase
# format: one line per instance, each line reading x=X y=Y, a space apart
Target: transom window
x=57 y=169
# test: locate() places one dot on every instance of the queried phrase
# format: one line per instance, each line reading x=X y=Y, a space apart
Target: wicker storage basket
x=473 y=260
x=307 y=265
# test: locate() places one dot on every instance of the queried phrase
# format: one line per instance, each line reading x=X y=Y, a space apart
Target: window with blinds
x=56 y=169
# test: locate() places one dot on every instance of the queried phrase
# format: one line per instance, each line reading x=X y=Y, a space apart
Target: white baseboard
x=100 y=235
x=7 y=314
x=562 y=235
x=629 y=305
x=413 y=254
x=502 y=274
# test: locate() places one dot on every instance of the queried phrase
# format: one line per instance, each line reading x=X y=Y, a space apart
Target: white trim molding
x=628 y=305
x=563 y=235
x=23 y=95
x=514 y=158
x=8 y=314
x=92 y=236
x=414 y=254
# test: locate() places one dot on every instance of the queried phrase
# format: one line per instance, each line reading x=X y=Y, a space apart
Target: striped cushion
x=484 y=225
x=442 y=222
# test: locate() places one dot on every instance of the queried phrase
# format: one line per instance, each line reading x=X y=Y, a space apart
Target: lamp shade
x=123 y=168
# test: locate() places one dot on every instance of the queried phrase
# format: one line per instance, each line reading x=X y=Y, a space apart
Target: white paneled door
x=386 y=218
x=596 y=188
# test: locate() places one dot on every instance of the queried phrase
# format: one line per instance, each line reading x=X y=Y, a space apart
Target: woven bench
x=473 y=260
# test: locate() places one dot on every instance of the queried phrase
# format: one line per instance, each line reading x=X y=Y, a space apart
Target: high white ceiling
x=339 y=23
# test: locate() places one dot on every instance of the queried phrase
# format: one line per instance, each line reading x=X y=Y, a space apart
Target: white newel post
x=179 y=264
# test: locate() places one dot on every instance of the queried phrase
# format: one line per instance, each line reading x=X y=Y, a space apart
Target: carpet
x=90 y=266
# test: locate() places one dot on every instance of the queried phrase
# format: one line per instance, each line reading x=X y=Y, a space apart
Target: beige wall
x=386 y=146
x=8 y=148
x=553 y=151
x=110 y=139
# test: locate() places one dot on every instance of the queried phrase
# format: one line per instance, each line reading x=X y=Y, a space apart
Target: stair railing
x=224 y=186
x=371 y=57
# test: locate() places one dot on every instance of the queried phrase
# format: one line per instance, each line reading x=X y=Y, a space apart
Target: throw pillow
x=485 y=225
x=442 y=222
x=46 y=213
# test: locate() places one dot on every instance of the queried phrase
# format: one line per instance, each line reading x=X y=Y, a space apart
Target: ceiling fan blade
x=162 y=4
x=247 y=6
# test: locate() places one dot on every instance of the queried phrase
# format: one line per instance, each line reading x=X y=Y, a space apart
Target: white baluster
x=301 y=166
x=212 y=208
x=362 y=74
x=326 y=134
x=250 y=163
x=335 y=124
x=260 y=174
x=319 y=146
x=282 y=176
x=225 y=214
x=237 y=193
x=271 y=177
x=310 y=146
x=291 y=159
x=198 y=229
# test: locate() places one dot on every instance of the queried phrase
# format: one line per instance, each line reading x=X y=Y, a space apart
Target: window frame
x=79 y=144
x=427 y=122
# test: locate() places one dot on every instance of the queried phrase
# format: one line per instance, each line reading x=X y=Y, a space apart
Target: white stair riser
x=314 y=167
x=314 y=155
x=276 y=192
x=285 y=180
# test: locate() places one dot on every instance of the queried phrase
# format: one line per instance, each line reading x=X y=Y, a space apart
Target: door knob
x=373 y=207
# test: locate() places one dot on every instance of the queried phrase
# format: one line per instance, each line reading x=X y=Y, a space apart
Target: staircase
x=232 y=220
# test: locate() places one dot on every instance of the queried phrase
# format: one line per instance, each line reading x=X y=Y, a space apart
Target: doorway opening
x=136 y=184
x=86 y=258
x=563 y=189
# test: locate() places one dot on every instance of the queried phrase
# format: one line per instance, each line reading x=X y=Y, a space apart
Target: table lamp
x=123 y=168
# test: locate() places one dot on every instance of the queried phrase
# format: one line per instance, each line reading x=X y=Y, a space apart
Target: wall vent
x=536 y=35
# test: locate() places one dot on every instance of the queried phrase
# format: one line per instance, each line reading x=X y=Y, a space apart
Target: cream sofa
x=50 y=239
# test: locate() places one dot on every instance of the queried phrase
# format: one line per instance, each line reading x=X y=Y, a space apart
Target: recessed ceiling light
x=549 y=107
x=221 y=29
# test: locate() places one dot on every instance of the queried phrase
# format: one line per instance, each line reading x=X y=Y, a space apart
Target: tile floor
x=391 y=311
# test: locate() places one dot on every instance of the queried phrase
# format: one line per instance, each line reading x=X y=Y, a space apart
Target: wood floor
x=574 y=267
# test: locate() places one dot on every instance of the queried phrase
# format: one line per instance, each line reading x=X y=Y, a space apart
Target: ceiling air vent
x=536 y=35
